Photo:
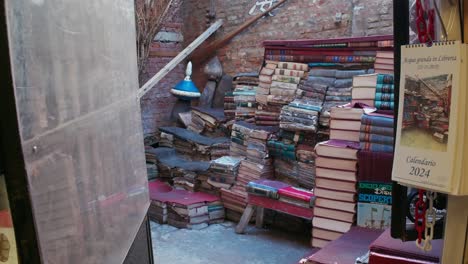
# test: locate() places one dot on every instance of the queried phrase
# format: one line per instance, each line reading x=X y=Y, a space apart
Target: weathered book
x=376 y=138
x=376 y=147
x=306 y=104
x=350 y=59
x=343 y=83
x=385 y=54
x=266 y=188
x=323 y=73
x=388 y=61
x=346 y=74
x=367 y=80
x=319 y=243
x=284 y=85
x=282 y=92
x=337 y=205
x=289 y=73
x=293 y=66
x=336 y=195
x=267 y=71
x=383 y=71
x=265 y=79
x=286 y=79
x=338 y=185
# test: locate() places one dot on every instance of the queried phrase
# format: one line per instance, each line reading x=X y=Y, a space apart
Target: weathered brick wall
x=157 y=104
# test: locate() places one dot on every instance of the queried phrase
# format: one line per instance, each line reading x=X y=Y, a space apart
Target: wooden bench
x=259 y=203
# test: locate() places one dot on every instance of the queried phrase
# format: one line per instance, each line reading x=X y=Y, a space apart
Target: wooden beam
x=245 y=219
x=179 y=58
x=206 y=52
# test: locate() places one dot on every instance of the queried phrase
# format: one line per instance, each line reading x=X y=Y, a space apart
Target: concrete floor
x=219 y=244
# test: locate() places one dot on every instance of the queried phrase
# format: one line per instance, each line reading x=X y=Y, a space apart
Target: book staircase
x=310 y=135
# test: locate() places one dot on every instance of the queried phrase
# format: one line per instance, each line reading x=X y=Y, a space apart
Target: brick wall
x=157 y=104
x=297 y=19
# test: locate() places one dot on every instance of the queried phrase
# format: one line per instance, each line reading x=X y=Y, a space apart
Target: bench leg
x=259 y=217
x=245 y=219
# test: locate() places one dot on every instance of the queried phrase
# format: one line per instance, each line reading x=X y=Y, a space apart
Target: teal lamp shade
x=186 y=89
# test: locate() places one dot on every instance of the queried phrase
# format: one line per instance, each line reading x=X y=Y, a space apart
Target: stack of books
x=188 y=216
x=384 y=92
x=240 y=132
x=384 y=62
x=245 y=89
x=335 y=189
x=158 y=212
x=234 y=202
x=376 y=133
x=216 y=212
x=229 y=106
x=285 y=82
x=223 y=172
x=376 y=90
x=282 y=149
x=345 y=123
x=300 y=115
x=265 y=78
x=364 y=88
x=287 y=171
x=166 y=140
x=207 y=121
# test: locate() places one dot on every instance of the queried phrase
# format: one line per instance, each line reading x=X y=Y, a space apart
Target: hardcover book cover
x=432 y=106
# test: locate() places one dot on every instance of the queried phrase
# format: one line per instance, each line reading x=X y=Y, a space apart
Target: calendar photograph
x=426 y=112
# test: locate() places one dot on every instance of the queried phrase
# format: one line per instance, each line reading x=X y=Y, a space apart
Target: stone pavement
x=218 y=244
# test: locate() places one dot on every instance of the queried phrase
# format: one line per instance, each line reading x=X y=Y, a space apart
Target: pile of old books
x=339 y=83
x=335 y=189
x=384 y=62
x=300 y=115
x=229 y=106
x=223 y=172
x=207 y=121
x=346 y=122
x=285 y=81
x=245 y=89
x=195 y=146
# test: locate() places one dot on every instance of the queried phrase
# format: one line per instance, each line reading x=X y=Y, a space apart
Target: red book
x=347 y=248
x=386 y=249
x=293 y=192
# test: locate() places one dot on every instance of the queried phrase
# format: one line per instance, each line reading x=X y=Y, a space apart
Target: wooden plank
x=259 y=217
x=456 y=223
x=245 y=219
x=286 y=208
x=179 y=58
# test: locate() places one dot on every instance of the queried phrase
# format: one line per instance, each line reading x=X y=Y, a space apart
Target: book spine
x=293 y=66
x=289 y=73
x=386 y=131
x=384 y=105
x=384 y=88
x=377 y=121
x=376 y=147
x=384 y=97
x=385 y=79
x=375 y=138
